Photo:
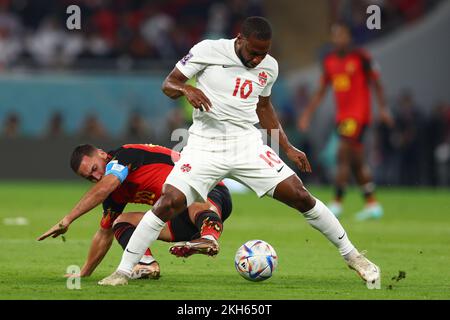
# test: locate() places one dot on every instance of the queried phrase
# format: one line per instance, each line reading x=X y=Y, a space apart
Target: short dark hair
x=259 y=27
x=78 y=154
x=341 y=24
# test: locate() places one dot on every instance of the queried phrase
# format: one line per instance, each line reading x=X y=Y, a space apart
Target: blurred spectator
x=385 y=155
x=301 y=100
x=106 y=21
x=8 y=20
x=218 y=18
x=410 y=10
x=157 y=29
x=137 y=129
x=95 y=45
x=56 y=126
x=394 y=14
x=437 y=146
x=11 y=126
x=10 y=30
x=289 y=109
x=357 y=23
x=46 y=44
x=93 y=129
x=72 y=47
x=10 y=48
x=407 y=138
x=114 y=30
x=175 y=120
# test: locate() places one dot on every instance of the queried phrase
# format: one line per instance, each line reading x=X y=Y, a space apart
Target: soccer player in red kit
x=350 y=72
x=135 y=173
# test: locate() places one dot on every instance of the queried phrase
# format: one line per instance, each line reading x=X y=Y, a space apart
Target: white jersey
x=232 y=88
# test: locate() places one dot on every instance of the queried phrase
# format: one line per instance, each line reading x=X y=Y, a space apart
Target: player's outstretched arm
x=174 y=86
x=95 y=196
x=101 y=242
x=269 y=121
x=305 y=119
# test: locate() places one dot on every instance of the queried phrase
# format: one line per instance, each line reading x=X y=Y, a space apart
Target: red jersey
x=350 y=76
x=148 y=167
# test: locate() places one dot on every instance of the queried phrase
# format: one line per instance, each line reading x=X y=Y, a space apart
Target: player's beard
x=244 y=62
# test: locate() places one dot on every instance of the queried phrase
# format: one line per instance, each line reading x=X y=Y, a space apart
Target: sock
x=322 y=219
x=123 y=232
x=352 y=254
x=339 y=193
x=146 y=232
x=368 y=190
x=209 y=224
x=148 y=258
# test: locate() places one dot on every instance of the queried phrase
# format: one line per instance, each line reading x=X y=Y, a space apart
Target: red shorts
x=352 y=130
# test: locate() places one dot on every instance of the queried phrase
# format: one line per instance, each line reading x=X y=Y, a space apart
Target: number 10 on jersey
x=245 y=89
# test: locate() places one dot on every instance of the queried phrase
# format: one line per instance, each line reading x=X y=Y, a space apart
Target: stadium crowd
x=133 y=34
x=395 y=13
x=415 y=151
x=113 y=33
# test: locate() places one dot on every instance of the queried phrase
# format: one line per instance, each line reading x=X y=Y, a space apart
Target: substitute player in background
x=234 y=82
x=350 y=71
x=135 y=173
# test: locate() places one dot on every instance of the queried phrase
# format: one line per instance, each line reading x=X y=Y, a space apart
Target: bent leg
x=343 y=169
x=372 y=209
x=209 y=217
x=293 y=193
x=203 y=223
x=171 y=203
x=124 y=227
x=362 y=173
x=133 y=219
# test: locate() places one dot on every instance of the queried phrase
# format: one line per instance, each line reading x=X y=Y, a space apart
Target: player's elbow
x=167 y=90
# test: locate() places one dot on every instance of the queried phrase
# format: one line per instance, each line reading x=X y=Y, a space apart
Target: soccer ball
x=256 y=260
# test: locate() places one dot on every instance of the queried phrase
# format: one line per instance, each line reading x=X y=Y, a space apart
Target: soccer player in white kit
x=234 y=82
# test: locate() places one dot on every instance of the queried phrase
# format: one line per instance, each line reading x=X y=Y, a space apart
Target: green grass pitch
x=414 y=237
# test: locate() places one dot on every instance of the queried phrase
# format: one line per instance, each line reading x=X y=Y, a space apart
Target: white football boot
x=336 y=208
x=367 y=270
x=372 y=211
x=197 y=246
x=146 y=271
x=115 y=279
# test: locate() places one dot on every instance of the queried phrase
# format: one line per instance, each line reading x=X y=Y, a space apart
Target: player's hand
x=197 y=98
x=299 y=158
x=303 y=122
x=387 y=118
x=58 y=229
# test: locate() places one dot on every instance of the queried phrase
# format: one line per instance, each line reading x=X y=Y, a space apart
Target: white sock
x=322 y=219
x=147 y=259
x=146 y=232
x=351 y=255
x=209 y=237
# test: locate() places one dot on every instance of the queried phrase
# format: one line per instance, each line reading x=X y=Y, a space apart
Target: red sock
x=211 y=228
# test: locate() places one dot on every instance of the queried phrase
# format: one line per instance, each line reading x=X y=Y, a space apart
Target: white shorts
x=205 y=161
